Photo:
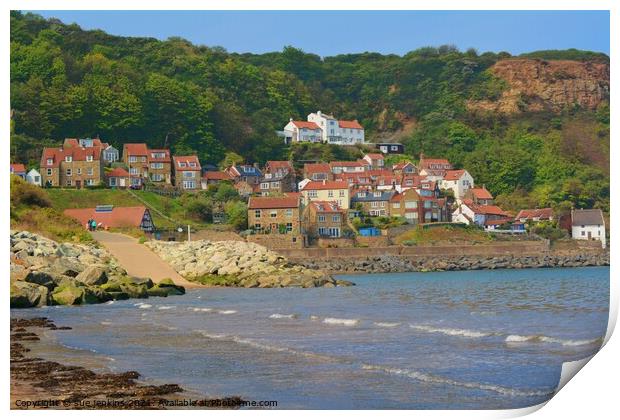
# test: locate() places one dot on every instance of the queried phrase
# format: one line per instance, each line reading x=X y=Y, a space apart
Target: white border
x=593 y=394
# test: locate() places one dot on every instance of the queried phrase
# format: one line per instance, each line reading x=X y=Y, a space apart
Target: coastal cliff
x=539 y=85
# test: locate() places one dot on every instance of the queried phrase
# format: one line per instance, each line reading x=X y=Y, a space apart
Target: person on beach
x=89 y=224
x=93 y=225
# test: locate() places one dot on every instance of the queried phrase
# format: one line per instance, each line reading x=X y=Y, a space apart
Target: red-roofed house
x=214 y=178
x=337 y=191
x=303 y=131
x=71 y=166
x=275 y=214
x=19 y=170
x=324 y=219
x=338 y=167
x=115 y=217
x=457 y=180
x=160 y=166
x=375 y=160
x=409 y=205
x=187 y=172
x=468 y=212
x=117 y=178
x=278 y=177
x=480 y=195
x=535 y=215
x=404 y=168
x=432 y=168
x=317 y=171
x=135 y=156
x=337 y=131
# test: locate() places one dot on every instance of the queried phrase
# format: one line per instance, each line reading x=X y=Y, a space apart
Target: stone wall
x=278 y=241
x=335 y=243
x=372 y=241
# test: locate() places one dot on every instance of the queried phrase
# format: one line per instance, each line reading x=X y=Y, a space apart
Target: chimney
x=324 y=181
x=290 y=119
x=318 y=113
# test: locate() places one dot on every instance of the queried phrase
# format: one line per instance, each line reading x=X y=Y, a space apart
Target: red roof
x=118 y=172
x=481 y=193
x=326 y=185
x=326 y=206
x=313 y=168
x=482 y=209
x=426 y=162
x=497 y=222
x=279 y=164
x=286 y=202
x=216 y=176
x=453 y=175
x=348 y=163
x=545 y=214
x=135 y=149
x=306 y=124
x=178 y=160
x=58 y=154
x=118 y=217
x=17 y=167
x=375 y=156
x=165 y=159
x=402 y=165
x=350 y=124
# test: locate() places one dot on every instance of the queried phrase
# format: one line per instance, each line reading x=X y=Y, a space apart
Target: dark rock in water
x=344 y=283
x=28 y=295
x=143 y=280
x=119 y=295
x=68 y=295
x=95 y=294
x=135 y=291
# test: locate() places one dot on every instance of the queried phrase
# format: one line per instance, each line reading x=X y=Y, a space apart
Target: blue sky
x=336 y=32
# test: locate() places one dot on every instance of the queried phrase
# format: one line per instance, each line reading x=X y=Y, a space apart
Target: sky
x=328 y=33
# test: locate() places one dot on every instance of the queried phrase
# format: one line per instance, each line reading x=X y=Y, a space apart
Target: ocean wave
x=544 y=339
x=163 y=307
x=227 y=312
x=314 y=317
x=452 y=331
x=341 y=321
x=105 y=323
x=281 y=316
x=428 y=378
x=144 y=306
x=111 y=302
x=387 y=324
x=201 y=309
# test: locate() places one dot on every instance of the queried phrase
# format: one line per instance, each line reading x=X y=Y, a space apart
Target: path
x=138 y=260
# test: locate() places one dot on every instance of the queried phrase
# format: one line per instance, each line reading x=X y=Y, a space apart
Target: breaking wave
x=387 y=324
x=425 y=377
x=227 y=312
x=163 y=307
x=452 y=331
x=545 y=339
x=283 y=316
x=144 y=306
x=341 y=321
x=201 y=309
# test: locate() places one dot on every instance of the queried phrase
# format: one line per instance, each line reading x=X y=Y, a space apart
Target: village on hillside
x=301 y=204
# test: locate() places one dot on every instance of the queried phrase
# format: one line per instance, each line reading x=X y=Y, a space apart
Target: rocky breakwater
x=238 y=264
x=388 y=264
x=45 y=272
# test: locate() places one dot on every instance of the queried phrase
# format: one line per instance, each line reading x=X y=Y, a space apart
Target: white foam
x=105 y=323
x=227 y=312
x=341 y=321
x=451 y=331
x=544 y=339
x=424 y=377
x=202 y=309
x=163 y=308
x=314 y=317
x=282 y=316
x=387 y=324
x=144 y=306
x=110 y=302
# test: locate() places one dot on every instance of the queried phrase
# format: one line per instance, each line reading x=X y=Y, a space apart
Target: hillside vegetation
x=67 y=82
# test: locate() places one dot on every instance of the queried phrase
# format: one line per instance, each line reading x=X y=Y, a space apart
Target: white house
x=588 y=225
x=337 y=131
x=459 y=181
x=110 y=154
x=33 y=177
x=302 y=131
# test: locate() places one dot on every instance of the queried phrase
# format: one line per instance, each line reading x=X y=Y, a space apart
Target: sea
x=491 y=339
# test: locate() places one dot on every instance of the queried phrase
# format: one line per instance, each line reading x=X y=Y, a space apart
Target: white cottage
x=588 y=225
x=33 y=177
x=459 y=181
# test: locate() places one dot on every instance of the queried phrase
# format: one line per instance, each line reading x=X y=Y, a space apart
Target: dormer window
x=50 y=161
x=89 y=158
x=68 y=159
x=377 y=194
x=182 y=164
x=192 y=164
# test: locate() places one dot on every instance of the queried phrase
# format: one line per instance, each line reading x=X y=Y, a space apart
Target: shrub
x=24 y=194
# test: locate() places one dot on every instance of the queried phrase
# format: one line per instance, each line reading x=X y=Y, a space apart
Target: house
x=278 y=177
x=160 y=166
x=187 y=172
x=480 y=195
x=404 y=168
x=244 y=188
x=71 y=166
x=87 y=142
x=434 y=209
x=588 y=225
x=343 y=132
x=372 y=202
x=108 y=216
x=275 y=215
x=248 y=173
x=375 y=160
x=535 y=215
x=302 y=131
x=110 y=154
x=355 y=179
x=391 y=148
x=338 y=167
x=337 y=191
x=434 y=169
x=117 y=178
x=317 y=172
x=135 y=156
x=323 y=219
x=459 y=181
x=33 y=177
x=19 y=170
x=468 y=212
x=409 y=205
x=214 y=178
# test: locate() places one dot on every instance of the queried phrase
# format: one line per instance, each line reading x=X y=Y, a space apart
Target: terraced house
x=187 y=172
x=337 y=191
x=278 y=178
x=324 y=219
x=372 y=202
x=135 y=156
x=73 y=166
x=275 y=215
x=160 y=167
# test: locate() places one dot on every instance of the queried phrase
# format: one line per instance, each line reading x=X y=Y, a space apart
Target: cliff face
x=538 y=85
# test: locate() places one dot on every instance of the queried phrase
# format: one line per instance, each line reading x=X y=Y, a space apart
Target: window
x=182 y=165
x=336 y=218
x=374 y=204
x=321 y=218
x=257 y=226
x=50 y=161
x=68 y=159
x=273 y=214
x=427 y=204
x=157 y=165
x=411 y=204
x=393 y=148
x=275 y=185
x=257 y=214
x=583 y=233
x=68 y=182
x=158 y=155
x=289 y=227
x=89 y=158
x=289 y=212
x=89 y=171
x=395 y=205
x=133 y=158
x=79 y=171
x=189 y=185
x=312 y=194
x=157 y=177
x=264 y=186
x=188 y=174
x=330 y=193
x=192 y=164
x=90 y=181
x=112 y=182
x=134 y=171
x=68 y=172
x=49 y=171
x=382 y=203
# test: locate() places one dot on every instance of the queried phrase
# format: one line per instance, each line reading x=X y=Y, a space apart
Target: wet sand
x=38 y=383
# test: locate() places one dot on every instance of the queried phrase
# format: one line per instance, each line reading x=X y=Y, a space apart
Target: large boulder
x=93 y=275
x=68 y=266
x=135 y=291
x=41 y=278
x=27 y=295
x=68 y=295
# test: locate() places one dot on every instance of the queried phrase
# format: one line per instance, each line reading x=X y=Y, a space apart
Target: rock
x=27 y=295
x=93 y=275
x=68 y=295
x=41 y=278
x=21 y=246
x=328 y=284
x=345 y=283
x=147 y=282
x=68 y=267
x=249 y=283
x=66 y=250
x=168 y=283
x=118 y=295
x=135 y=291
x=95 y=294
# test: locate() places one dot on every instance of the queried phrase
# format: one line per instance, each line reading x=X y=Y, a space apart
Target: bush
x=24 y=194
x=237 y=214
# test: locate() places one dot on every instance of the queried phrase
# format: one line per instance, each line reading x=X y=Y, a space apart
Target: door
x=589 y=236
x=78 y=184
